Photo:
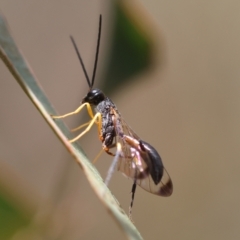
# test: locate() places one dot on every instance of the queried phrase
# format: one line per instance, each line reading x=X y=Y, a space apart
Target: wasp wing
x=141 y=162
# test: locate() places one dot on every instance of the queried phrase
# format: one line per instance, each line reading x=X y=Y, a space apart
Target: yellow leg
x=96 y=119
x=78 y=128
x=96 y=158
x=77 y=111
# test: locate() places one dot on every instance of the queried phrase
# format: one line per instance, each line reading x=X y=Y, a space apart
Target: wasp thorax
x=94 y=97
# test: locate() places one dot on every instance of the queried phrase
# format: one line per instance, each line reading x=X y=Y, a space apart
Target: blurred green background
x=186 y=104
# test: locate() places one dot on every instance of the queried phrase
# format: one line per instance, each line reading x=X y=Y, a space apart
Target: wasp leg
x=134 y=186
x=107 y=149
x=78 y=128
x=96 y=119
x=79 y=109
x=109 y=153
x=96 y=158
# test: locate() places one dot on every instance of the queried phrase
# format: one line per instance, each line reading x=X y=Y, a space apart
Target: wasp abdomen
x=156 y=165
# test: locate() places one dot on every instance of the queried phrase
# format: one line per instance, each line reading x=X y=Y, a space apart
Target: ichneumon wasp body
x=134 y=157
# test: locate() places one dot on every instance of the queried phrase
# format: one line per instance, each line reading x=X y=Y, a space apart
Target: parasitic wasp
x=135 y=158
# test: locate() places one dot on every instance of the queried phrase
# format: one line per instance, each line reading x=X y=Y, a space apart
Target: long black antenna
x=81 y=61
x=90 y=84
x=97 y=50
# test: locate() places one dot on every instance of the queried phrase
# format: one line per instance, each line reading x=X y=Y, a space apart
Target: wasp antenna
x=97 y=50
x=81 y=61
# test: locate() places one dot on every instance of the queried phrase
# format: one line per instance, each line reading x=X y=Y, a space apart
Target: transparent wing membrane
x=141 y=162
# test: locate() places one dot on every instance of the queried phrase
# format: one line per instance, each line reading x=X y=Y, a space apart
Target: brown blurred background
x=187 y=107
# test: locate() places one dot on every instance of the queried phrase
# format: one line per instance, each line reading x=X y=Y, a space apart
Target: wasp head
x=94 y=97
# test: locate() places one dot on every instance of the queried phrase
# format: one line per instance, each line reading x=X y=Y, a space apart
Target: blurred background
x=183 y=98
